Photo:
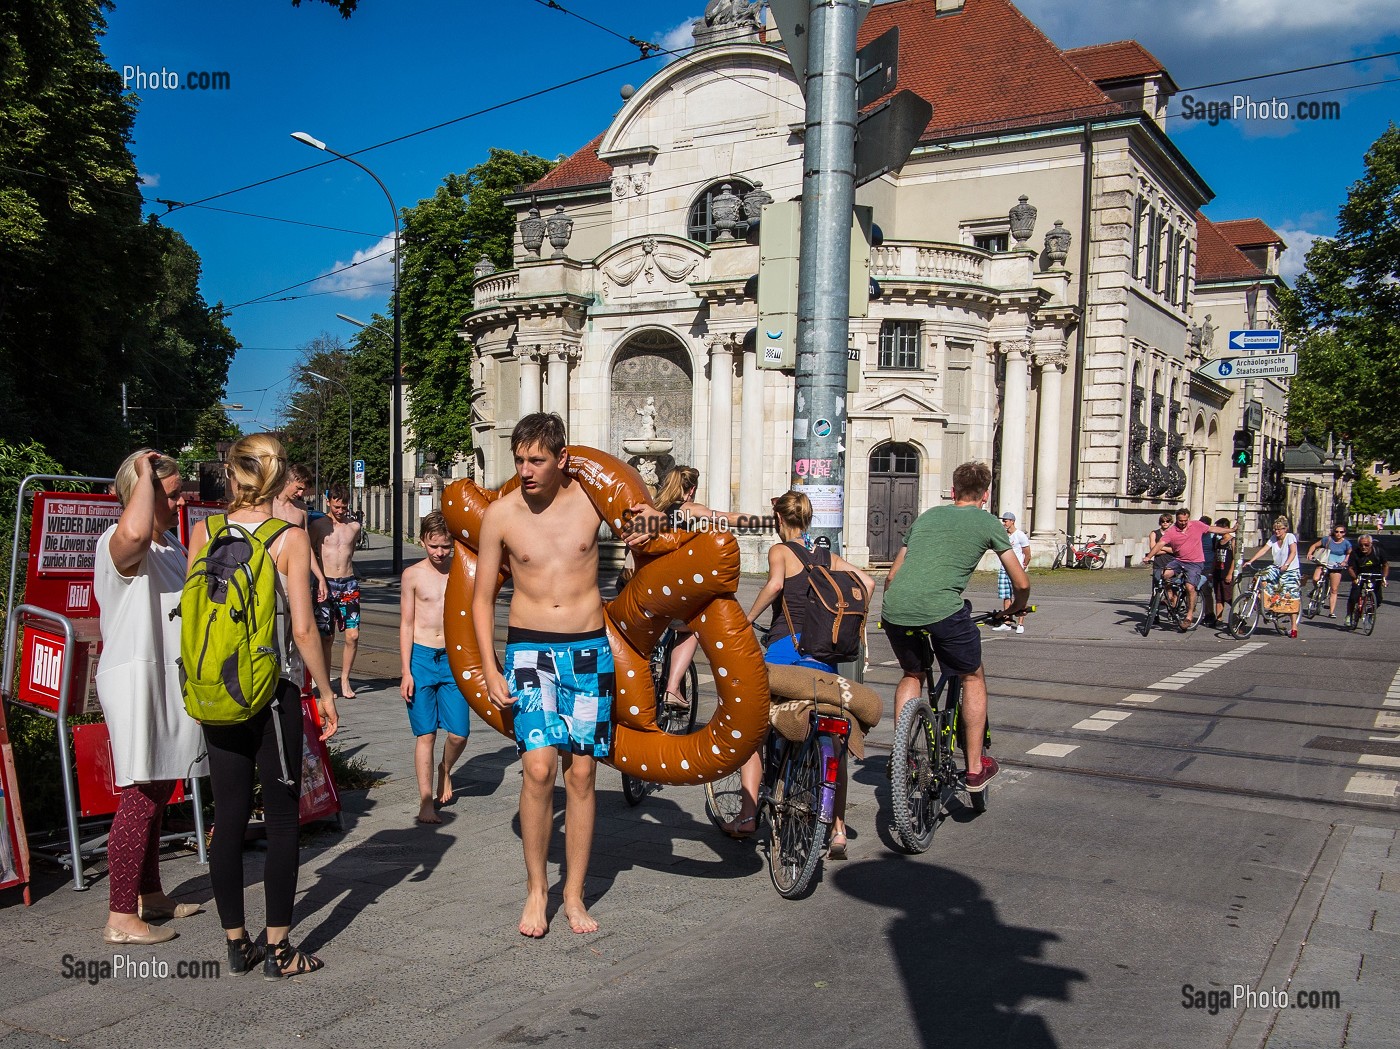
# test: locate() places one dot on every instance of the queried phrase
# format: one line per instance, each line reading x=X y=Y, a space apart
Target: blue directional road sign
x=1266 y=340
x=1257 y=366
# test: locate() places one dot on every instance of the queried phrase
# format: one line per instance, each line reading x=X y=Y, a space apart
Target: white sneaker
x=1004 y=627
x=1020 y=629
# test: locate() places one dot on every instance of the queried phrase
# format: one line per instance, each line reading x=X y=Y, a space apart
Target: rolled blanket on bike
x=796 y=690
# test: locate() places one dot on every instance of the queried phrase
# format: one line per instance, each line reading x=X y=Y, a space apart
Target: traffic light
x=1244 y=451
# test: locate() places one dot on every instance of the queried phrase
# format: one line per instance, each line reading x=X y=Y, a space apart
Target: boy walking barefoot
x=333 y=541
x=433 y=698
x=558 y=672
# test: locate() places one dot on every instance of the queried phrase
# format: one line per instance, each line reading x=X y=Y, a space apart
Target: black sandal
x=280 y=956
x=243 y=955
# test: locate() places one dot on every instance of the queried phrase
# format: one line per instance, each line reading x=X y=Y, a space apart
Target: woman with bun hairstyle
x=138 y=574
x=257 y=472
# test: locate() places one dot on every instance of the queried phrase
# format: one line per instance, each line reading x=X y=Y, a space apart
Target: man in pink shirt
x=1184 y=540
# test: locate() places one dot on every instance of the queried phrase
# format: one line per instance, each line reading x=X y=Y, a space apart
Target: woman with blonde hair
x=138 y=574
x=787 y=591
x=1282 y=582
x=257 y=468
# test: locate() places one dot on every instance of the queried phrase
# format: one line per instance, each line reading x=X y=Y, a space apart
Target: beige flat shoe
x=180 y=910
x=158 y=934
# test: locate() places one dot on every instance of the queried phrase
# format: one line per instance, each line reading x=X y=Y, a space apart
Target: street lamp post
x=350 y=401
x=396 y=463
x=317 y=468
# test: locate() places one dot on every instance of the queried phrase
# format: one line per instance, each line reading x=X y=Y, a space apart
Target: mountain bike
x=1319 y=595
x=924 y=773
x=796 y=799
x=1363 y=616
x=1248 y=611
x=677 y=721
x=1081 y=552
x=1169 y=602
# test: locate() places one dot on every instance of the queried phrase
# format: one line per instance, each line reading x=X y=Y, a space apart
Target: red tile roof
x=1121 y=60
x=1217 y=258
x=582 y=169
x=1248 y=233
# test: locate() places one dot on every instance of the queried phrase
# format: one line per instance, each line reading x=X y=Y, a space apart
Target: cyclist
x=1184 y=540
x=1338 y=549
x=1281 y=582
x=1366 y=557
x=924 y=603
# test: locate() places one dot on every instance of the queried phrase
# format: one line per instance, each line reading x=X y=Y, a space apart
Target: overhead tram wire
x=1325 y=91
x=1287 y=72
x=310 y=280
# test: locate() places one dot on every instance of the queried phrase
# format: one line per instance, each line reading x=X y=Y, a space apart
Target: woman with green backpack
x=268 y=741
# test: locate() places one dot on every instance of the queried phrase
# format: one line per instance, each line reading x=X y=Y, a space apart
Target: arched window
x=700 y=224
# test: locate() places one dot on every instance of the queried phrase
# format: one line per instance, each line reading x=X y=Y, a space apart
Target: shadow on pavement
x=967 y=976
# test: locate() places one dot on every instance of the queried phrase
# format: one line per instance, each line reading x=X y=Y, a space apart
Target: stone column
x=1014 y=430
x=1052 y=364
x=558 y=376
x=1196 y=490
x=719 y=467
x=752 y=449
x=529 y=359
x=1210 y=465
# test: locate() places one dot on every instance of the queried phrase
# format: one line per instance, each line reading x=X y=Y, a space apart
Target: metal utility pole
x=823 y=277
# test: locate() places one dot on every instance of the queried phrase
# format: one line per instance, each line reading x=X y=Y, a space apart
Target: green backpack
x=230 y=658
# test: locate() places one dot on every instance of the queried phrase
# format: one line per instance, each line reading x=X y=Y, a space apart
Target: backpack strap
x=267 y=532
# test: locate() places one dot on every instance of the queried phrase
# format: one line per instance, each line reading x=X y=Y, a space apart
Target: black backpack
x=837 y=605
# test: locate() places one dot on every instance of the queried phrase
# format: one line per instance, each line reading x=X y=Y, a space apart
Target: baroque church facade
x=1048 y=285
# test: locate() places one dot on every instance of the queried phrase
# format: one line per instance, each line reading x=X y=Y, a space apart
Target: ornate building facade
x=1043 y=290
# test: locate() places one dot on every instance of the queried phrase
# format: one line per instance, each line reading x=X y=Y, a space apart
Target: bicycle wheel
x=683 y=721
x=797 y=837
x=1368 y=612
x=1281 y=626
x=634 y=790
x=1059 y=559
x=1154 y=606
x=1200 y=612
x=914 y=777
x=1244 y=615
x=1096 y=558
x=1316 y=595
x=723 y=799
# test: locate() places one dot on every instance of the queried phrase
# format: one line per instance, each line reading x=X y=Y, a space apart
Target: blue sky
x=395 y=68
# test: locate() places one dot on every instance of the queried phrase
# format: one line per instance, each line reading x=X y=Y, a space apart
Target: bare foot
x=346 y=690
x=444 y=791
x=579 y=918
x=426 y=813
x=532 y=919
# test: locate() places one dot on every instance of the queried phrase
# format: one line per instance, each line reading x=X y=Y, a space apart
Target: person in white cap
x=1021 y=546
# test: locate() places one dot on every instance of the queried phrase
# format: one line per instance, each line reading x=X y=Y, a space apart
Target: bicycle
x=676 y=721
x=1248 y=609
x=1090 y=553
x=1363 y=616
x=1319 y=593
x=924 y=774
x=796 y=798
x=1169 y=602
x=362 y=540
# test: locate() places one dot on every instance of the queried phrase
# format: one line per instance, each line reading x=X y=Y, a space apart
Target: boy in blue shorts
x=433 y=698
x=558 y=673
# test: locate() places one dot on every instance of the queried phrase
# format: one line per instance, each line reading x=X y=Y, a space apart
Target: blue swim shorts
x=437 y=702
x=563 y=686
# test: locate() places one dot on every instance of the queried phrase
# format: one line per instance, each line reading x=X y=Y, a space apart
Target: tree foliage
x=90 y=296
x=1345 y=317
x=444 y=238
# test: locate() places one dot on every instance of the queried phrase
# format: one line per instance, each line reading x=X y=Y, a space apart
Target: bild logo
x=46 y=668
x=79 y=596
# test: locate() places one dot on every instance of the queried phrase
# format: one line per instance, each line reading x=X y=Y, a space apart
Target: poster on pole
x=63 y=550
x=194 y=512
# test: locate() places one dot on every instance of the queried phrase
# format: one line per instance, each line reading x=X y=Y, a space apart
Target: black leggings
x=234 y=751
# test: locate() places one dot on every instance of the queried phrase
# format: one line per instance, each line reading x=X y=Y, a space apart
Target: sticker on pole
x=822 y=428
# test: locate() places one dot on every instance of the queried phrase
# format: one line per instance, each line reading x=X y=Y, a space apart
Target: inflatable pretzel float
x=680 y=575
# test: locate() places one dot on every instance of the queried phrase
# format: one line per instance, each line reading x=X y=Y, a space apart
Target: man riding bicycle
x=1338 y=550
x=924 y=604
x=1184 y=539
x=1366 y=558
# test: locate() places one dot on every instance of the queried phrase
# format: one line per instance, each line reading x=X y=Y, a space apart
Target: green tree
x=444 y=237
x=1365 y=495
x=1345 y=317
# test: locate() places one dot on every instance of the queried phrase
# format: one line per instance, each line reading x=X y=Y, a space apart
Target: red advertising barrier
x=97 y=779
x=14 y=845
x=192 y=513
x=45 y=661
x=63 y=549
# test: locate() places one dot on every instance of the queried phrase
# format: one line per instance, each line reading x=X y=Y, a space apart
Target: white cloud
x=680 y=38
x=148 y=179
x=1299 y=243
x=373 y=265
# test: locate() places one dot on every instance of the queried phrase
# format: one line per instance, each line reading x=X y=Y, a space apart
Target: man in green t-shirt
x=924 y=604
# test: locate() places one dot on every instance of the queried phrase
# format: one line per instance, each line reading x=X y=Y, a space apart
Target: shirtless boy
x=333 y=540
x=433 y=698
x=290 y=506
x=558 y=675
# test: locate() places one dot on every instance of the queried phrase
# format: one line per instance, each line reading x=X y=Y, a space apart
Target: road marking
x=1385 y=719
x=1372 y=783
x=1190 y=674
x=1095 y=725
x=1140 y=697
x=1383 y=760
x=1112 y=715
x=1053 y=750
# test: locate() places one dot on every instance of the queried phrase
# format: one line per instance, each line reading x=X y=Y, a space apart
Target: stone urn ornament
x=1022 y=218
x=561 y=228
x=754 y=200
x=532 y=233
x=1057 y=244
x=484 y=267
x=726 y=210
